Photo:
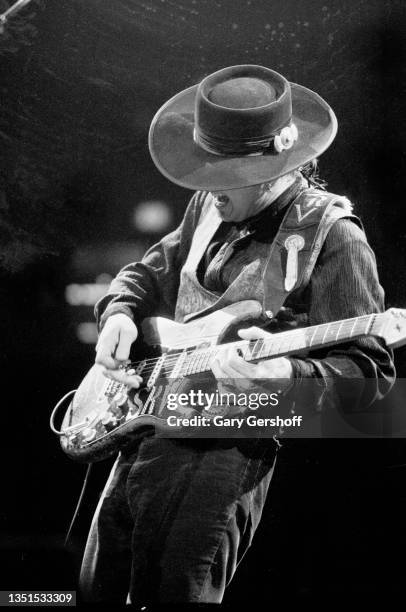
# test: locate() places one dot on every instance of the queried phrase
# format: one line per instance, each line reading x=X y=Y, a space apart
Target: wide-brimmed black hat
x=241 y=126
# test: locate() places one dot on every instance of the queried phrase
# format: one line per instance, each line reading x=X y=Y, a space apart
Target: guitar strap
x=275 y=271
x=298 y=243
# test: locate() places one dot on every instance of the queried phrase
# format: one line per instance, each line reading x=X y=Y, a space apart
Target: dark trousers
x=175 y=519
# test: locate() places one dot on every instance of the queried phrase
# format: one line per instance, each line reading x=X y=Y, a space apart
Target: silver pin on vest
x=293 y=244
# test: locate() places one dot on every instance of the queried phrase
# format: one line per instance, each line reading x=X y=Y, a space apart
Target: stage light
x=87 y=332
x=104 y=279
x=86 y=294
x=152 y=216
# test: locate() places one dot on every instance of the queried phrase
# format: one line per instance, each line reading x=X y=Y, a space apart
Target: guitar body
x=105 y=415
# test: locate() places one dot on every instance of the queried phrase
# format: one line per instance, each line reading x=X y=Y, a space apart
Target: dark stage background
x=80 y=197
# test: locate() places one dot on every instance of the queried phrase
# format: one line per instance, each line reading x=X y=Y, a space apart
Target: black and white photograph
x=202 y=303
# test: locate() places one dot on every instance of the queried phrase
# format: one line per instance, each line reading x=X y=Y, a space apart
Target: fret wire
x=257 y=347
x=331 y=331
x=365 y=323
x=377 y=323
x=370 y=324
x=339 y=329
x=320 y=333
x=313 y=335
x=261 y=346
x=267 y=347
x=245 y=349
x=353 y=327
x=254 y=349
x=325 y=332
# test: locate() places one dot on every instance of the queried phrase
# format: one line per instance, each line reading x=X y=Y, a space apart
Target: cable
x=82 y=492
x=55 y=410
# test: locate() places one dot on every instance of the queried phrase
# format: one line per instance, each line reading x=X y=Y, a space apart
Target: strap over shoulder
x=298 y=243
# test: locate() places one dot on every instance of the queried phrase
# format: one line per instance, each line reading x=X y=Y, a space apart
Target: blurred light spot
x=86 y=294
x=87 y=333
x=89 y=262
x=104 y=279
x=152 y=216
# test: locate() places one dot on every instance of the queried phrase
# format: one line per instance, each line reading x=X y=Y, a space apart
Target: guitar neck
x=286 y=343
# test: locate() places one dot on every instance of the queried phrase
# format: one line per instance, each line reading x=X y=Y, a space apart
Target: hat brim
x=183 y=162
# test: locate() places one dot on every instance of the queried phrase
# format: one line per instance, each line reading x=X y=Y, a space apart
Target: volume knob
x=109 y=422
x=88 y=434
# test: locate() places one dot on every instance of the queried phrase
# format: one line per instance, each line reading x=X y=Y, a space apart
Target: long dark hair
x=311 y=173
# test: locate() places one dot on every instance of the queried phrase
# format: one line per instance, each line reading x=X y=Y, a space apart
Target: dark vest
x=273 y=271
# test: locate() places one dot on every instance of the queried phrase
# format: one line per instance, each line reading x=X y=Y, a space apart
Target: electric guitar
x=105 y=415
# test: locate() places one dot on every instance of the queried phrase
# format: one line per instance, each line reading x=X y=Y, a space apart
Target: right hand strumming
x=113 y=348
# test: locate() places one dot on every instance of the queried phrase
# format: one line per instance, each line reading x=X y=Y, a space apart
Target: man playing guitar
x=178 y=514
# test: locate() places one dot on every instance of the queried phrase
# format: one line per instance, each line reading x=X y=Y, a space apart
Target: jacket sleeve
x=345 y=284
x=150 y=287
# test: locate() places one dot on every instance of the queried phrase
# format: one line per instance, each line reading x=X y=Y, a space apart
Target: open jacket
x=344 y=284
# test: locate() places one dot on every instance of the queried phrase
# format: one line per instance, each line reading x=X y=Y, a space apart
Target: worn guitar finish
x=105 y=415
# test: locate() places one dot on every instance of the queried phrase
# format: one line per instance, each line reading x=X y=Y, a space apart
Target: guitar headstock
x=394 y=327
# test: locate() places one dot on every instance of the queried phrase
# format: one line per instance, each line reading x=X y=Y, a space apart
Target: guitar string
x=293 y=334
x=172 y=358
x=199 y=353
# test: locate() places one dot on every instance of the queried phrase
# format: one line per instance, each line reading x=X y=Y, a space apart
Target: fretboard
x=286 y=343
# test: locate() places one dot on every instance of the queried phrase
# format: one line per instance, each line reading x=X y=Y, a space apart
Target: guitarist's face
x=239 y=204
